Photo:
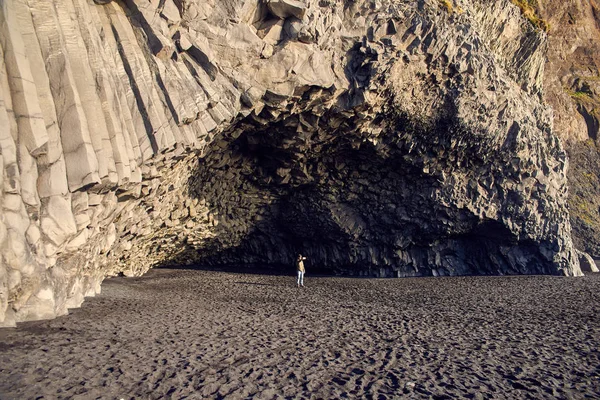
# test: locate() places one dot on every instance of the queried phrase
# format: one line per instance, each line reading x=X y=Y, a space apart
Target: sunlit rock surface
x=383 y=138
x=572 y=89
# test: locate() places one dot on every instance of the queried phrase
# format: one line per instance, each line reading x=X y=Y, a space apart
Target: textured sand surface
x=201 y=334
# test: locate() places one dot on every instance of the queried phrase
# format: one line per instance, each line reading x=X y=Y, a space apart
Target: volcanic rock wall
x=572 y=81
x=381 y=138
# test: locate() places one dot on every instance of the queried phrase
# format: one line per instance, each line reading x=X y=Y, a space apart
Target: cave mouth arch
x=353 y=206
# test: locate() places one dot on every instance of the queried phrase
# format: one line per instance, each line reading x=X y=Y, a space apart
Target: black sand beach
x=200 y=334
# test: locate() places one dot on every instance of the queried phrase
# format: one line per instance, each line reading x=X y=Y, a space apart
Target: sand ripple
x=201 y=334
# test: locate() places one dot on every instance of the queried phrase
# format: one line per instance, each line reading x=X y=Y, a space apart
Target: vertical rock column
x=23 y=139
x=140 y=78
x=80 y=157
x=124 y=98
x=104 y=84
x=86 y=86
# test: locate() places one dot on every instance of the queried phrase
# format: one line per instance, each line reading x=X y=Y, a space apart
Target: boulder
x=586 y=262
x=271 y=31
x=170 y=12
x=287 y=8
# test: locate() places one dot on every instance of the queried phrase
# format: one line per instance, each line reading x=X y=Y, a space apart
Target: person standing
x=300 y=270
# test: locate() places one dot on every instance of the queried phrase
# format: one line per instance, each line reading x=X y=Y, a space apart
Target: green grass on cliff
x=529 y=11
x=579 y=95
x=584 y=183
x=586 y=99
x=584 y=211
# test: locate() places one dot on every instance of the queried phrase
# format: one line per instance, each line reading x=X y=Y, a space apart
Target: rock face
x=572 y=82
x=379 y=138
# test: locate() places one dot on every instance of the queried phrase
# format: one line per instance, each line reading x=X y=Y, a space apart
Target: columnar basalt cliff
x=382 y=138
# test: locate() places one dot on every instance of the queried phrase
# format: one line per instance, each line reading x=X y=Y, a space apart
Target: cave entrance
x=277 y=190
